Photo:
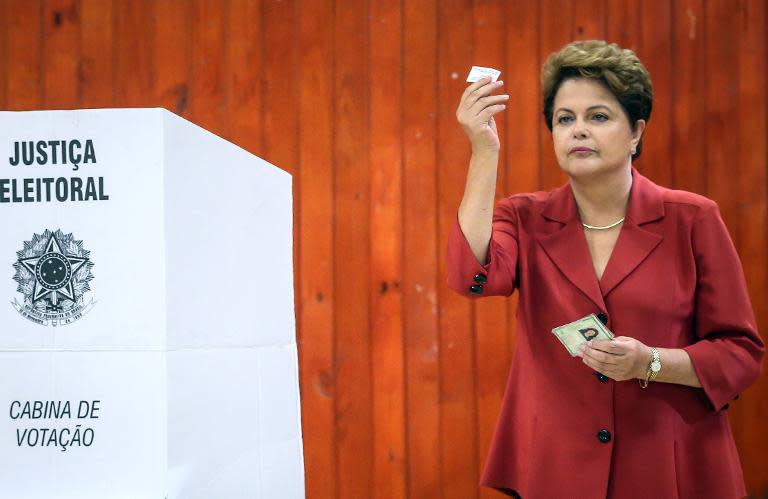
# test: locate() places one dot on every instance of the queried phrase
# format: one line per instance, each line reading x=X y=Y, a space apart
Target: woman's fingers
x=478 y=86
x=471 y=97
x=479 y=114
x=599 y=356
x=609 y=346
x=486 y=102
x=489 y=111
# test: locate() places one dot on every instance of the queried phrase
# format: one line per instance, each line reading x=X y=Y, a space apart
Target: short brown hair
x=618 y=69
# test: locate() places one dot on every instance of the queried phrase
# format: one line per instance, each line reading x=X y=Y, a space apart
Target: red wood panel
x=172 y=45
x=721 y=131
x=96 y=64
x=316 y=249
x=458 y=450
x=24 y=84
x=654 y=51
x=524 y=122
x=5 y=10
x=61 y=53
x=279 y=106
x=623 y=23
x=555 y=30
x=134 y=60
x=421 y=279
x=688 y=97
x=354 y=418
x=385 y=163
x=589 y=20
x=278 y=86
x=490 y=318
x=244 y=60
x=751 y=184
x=207 y=103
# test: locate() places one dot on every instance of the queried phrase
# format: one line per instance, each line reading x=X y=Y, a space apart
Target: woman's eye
x=563 y=119
x=600 y=117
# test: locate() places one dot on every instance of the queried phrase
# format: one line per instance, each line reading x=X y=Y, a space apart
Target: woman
x=655 y=265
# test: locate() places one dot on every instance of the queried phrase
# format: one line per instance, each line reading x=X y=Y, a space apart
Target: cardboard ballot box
x=147 y=336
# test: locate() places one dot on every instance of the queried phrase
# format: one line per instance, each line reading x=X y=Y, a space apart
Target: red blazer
x=674 y=280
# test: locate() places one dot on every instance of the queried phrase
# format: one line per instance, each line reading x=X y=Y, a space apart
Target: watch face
x=655 y=366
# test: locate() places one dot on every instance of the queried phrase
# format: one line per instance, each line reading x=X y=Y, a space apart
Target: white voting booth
x=147 y=332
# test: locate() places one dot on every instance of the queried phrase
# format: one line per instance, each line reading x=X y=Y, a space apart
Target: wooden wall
x=401 y=378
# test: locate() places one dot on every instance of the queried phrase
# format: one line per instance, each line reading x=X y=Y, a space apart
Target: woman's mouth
x=581 y=150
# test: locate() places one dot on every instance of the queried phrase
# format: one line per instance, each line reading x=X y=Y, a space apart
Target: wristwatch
x=653 y=368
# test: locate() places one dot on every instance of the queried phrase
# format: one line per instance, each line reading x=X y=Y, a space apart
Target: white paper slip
x=479 y=72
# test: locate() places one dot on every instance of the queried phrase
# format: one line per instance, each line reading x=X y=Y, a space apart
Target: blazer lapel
x=566 y=246
x=635 y=243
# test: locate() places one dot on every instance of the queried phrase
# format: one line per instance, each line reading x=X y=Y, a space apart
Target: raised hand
x=475 y=114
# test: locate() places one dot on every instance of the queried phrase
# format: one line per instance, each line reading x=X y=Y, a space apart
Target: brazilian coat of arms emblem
x=53 y=271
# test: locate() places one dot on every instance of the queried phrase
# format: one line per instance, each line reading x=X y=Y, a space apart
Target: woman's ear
x=637 y=132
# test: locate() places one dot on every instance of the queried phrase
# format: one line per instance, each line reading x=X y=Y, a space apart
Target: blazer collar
x=567 y=246
x=646 y=203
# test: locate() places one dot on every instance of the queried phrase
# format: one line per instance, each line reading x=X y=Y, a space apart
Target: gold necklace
x=594 y=227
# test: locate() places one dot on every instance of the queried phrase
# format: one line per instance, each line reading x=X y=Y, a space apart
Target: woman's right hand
x=475 y=114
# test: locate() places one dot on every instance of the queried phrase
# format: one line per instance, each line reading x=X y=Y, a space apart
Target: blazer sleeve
x=498 y=275
x=728 y=354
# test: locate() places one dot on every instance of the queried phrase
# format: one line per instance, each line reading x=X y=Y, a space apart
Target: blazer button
x=476 y=289
x=602 y=377
x=603 y=318
x=604 y=436
x=480 y=278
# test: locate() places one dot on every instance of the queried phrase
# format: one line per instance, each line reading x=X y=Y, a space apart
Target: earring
x=633 y=151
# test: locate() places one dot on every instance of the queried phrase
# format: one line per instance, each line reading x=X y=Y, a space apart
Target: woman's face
x=590 y=129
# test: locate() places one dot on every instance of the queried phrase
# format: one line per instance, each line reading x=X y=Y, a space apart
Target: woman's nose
x=579 y=129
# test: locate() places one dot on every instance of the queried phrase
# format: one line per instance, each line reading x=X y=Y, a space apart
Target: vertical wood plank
x=316 y=252
x=278 y=86
x=752 y=188
x=589 y=20
x=656 y=54
x=623 y=23
x=385 y=160
x=555 y=31
x=279 y=99
x=134 y=32
x=354 y=427
x=688 y=96
x=522 y=144
x=245 y=66
x=5 y=11
x=420 y=243
x=24 y=54
x=173 y=55
x=490 y=320
x=207 y=103
x=61 y=26
x=96 y=68
x=279 y=104
x=721 y=131
x=459 y=467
